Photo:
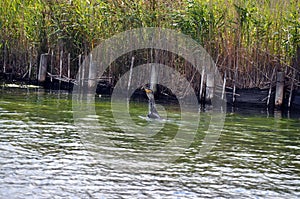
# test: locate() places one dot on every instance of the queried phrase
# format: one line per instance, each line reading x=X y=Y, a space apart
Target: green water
x=43 y=154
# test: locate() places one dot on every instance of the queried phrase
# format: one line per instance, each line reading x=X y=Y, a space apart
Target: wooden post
x=60 y=68
x=224 y=86
x=210 y=87
x=79 y=75
x=130 y=76
x=82 y=74
x=4 y=58
x=201 y=85
x=60 y=63
x=42 y=68
x=30 y=68
x=153 y=72
x=153 y=77
x=92 y=75
x=291 y=91
x=279 y=89
x=234 y=85
x=69 y=65
x=69 y=71
x=79 y=70
x=51 y=67
x=270 y=88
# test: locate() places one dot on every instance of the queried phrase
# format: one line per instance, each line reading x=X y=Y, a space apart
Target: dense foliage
x=248 y=36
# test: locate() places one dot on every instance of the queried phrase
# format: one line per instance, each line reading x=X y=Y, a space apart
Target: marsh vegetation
x=247 y=39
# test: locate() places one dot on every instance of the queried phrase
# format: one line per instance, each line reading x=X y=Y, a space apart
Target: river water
x=43 y=155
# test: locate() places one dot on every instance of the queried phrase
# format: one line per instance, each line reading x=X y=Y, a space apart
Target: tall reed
x=246 y=38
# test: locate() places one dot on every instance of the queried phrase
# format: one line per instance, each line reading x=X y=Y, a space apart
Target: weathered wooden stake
x=130 y=75
x=270 y=88
x=291 y=91
x=51 y=67
x=30 y=68
x=60 y=63
x=69 y=71
x=224 y=86
x=4 y=58
x=60 y=68
x=234 y=84
x=201 y=85
x=92 y=75
x=42 y=68
x=69 y=65
x=82 y=75
x=153 y=72
x=153 y=77
x=210 y=87
x=279 y=89
x=79 y=70
x=79 y=77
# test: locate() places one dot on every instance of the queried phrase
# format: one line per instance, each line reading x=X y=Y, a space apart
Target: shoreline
x=244 y=97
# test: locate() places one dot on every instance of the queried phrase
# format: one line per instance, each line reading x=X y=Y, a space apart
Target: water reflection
x=42 y=156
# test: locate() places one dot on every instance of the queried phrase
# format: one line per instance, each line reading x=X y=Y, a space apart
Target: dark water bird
x=152 y=108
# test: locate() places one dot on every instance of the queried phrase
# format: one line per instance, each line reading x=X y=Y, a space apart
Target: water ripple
x=44 y=158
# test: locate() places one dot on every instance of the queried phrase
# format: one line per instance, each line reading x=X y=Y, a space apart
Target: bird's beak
x=148 y=90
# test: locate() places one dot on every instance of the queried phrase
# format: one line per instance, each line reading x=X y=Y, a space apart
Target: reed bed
x=247 y=39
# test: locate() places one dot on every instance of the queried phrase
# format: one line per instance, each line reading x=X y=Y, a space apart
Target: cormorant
x=152 y=108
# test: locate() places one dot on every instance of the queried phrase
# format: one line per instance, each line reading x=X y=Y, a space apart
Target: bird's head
x=148 y=91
